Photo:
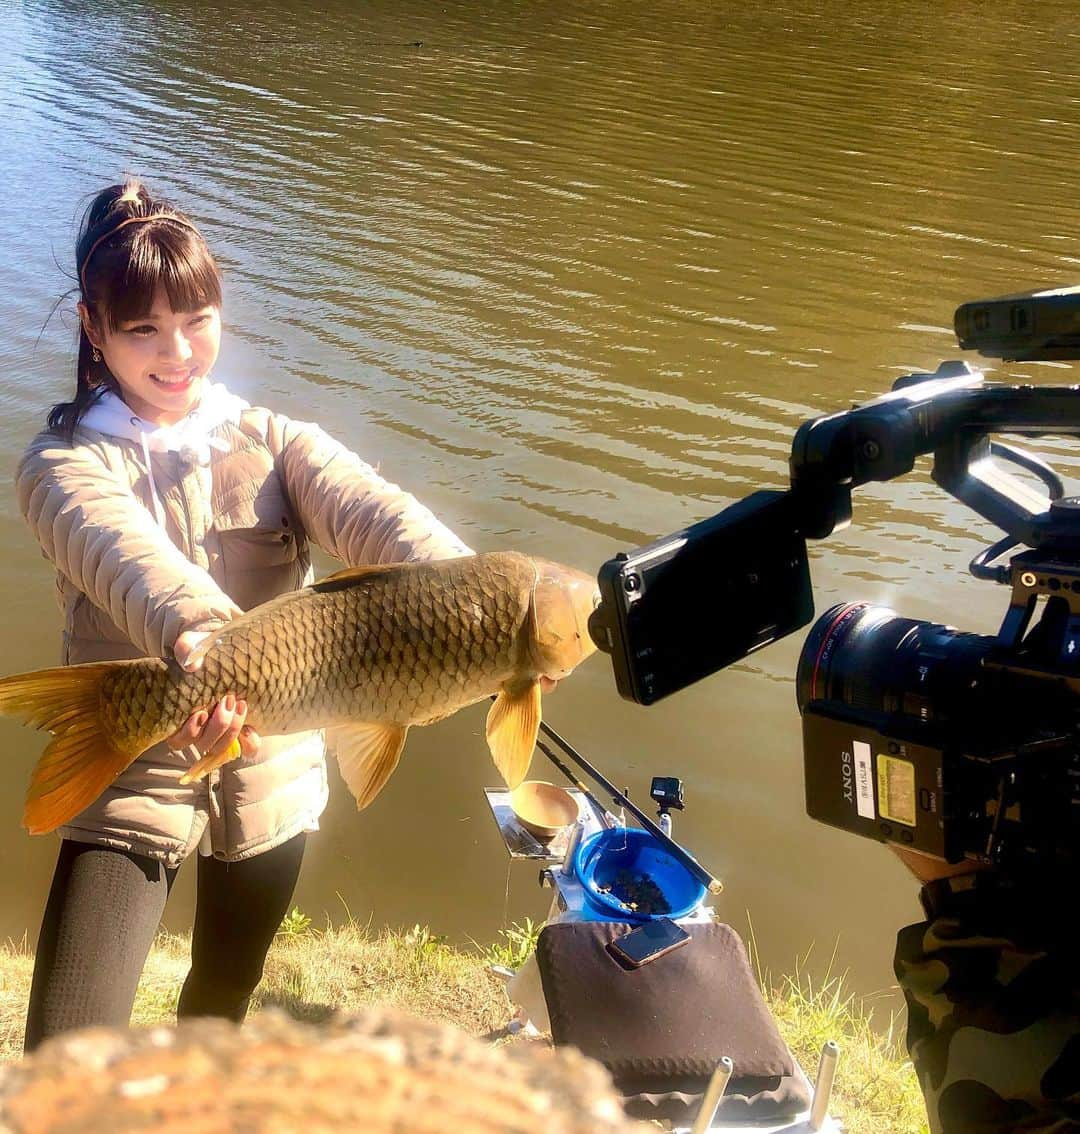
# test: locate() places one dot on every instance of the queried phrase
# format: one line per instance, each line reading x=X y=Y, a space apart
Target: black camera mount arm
x=879 y=441
x=949 y=413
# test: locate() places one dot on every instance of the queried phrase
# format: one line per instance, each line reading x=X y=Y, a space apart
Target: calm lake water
x=573 y=273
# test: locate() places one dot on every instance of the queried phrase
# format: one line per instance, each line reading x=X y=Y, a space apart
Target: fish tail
x=82 y=759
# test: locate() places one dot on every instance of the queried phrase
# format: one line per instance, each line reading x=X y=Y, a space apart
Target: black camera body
x=959 y=745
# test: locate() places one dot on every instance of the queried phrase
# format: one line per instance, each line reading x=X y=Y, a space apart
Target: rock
x=373 y=1072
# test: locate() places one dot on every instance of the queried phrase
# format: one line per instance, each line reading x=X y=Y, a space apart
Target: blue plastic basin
x=601 y=857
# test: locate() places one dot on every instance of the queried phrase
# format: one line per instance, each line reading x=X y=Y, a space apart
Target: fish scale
x=400 y=649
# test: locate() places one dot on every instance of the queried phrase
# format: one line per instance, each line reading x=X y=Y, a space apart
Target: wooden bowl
x=542 y=808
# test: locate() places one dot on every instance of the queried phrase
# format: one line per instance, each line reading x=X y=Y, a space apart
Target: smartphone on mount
x=648 y=941
x=697 y=600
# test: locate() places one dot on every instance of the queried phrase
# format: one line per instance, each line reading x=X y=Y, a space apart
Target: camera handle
x=949 y=413
x=970 y=467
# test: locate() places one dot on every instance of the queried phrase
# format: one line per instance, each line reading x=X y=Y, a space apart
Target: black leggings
x=104 y=909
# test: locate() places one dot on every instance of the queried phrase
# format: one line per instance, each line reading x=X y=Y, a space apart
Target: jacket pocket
x=263 y=548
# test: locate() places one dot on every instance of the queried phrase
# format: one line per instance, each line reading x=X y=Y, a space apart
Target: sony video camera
x=960 y=745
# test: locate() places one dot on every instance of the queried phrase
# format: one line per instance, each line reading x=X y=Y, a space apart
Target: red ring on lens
x=844 y=612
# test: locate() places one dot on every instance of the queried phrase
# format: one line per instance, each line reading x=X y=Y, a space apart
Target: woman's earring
x=95 y=354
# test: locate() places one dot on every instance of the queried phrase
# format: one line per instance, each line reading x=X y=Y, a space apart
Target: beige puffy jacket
x=232 y=533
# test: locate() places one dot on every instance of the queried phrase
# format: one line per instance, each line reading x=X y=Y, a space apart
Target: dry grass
x=16 y=969
x=311 y=973
x=876 y=1090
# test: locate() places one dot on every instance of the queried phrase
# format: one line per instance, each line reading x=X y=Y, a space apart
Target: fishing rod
x=711 y=883
x=572 y=776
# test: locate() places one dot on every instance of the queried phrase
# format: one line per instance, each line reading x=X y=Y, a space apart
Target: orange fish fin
x=512 y=724
x=80 y=761
x=348 y=575
x=208 y=763
x=367 y=755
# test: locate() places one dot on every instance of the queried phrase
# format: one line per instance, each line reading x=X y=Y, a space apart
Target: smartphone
x=648 y=941
x=695 y=601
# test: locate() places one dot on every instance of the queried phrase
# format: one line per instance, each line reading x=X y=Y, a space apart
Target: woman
x=168 y=505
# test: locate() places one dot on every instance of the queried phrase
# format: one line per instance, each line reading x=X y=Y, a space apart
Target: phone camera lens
x=632 y=583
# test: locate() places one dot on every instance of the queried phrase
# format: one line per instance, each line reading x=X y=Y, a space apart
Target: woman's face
x=161 y=360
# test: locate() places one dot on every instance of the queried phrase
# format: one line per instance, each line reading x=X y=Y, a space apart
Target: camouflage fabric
x=993 y=993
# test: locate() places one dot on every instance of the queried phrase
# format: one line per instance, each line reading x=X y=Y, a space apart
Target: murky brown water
x=573 y=273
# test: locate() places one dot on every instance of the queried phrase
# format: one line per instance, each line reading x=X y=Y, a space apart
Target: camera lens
x=869 y=658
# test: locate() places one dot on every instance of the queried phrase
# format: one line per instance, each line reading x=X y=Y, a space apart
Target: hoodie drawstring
x=159 y=513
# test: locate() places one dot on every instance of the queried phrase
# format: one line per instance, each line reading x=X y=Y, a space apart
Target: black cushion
x=662 y=1029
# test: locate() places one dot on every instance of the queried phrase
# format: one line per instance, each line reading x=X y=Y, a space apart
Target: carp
x=365 y=653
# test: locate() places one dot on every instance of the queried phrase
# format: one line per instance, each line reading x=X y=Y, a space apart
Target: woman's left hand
x=211 y=730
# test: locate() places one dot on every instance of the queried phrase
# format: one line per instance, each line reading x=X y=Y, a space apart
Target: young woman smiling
x=168 y=505
x=159 y=360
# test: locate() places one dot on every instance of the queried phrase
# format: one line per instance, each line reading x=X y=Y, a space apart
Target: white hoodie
x=110 y=414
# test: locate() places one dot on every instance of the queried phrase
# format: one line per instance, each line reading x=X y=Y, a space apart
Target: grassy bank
x=312 y=972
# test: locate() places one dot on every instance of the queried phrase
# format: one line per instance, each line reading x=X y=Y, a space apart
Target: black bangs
x=123 y=279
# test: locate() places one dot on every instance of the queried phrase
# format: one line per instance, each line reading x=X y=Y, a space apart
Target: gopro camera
x=667 y=793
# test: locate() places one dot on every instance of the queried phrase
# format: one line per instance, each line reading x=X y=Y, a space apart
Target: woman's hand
x=929 y=869
x=211 y=731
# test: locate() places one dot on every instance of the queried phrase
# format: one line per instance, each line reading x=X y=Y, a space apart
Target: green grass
x=294 y=923
x=311 y=973
x=876 y=1090
x=516 y=947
